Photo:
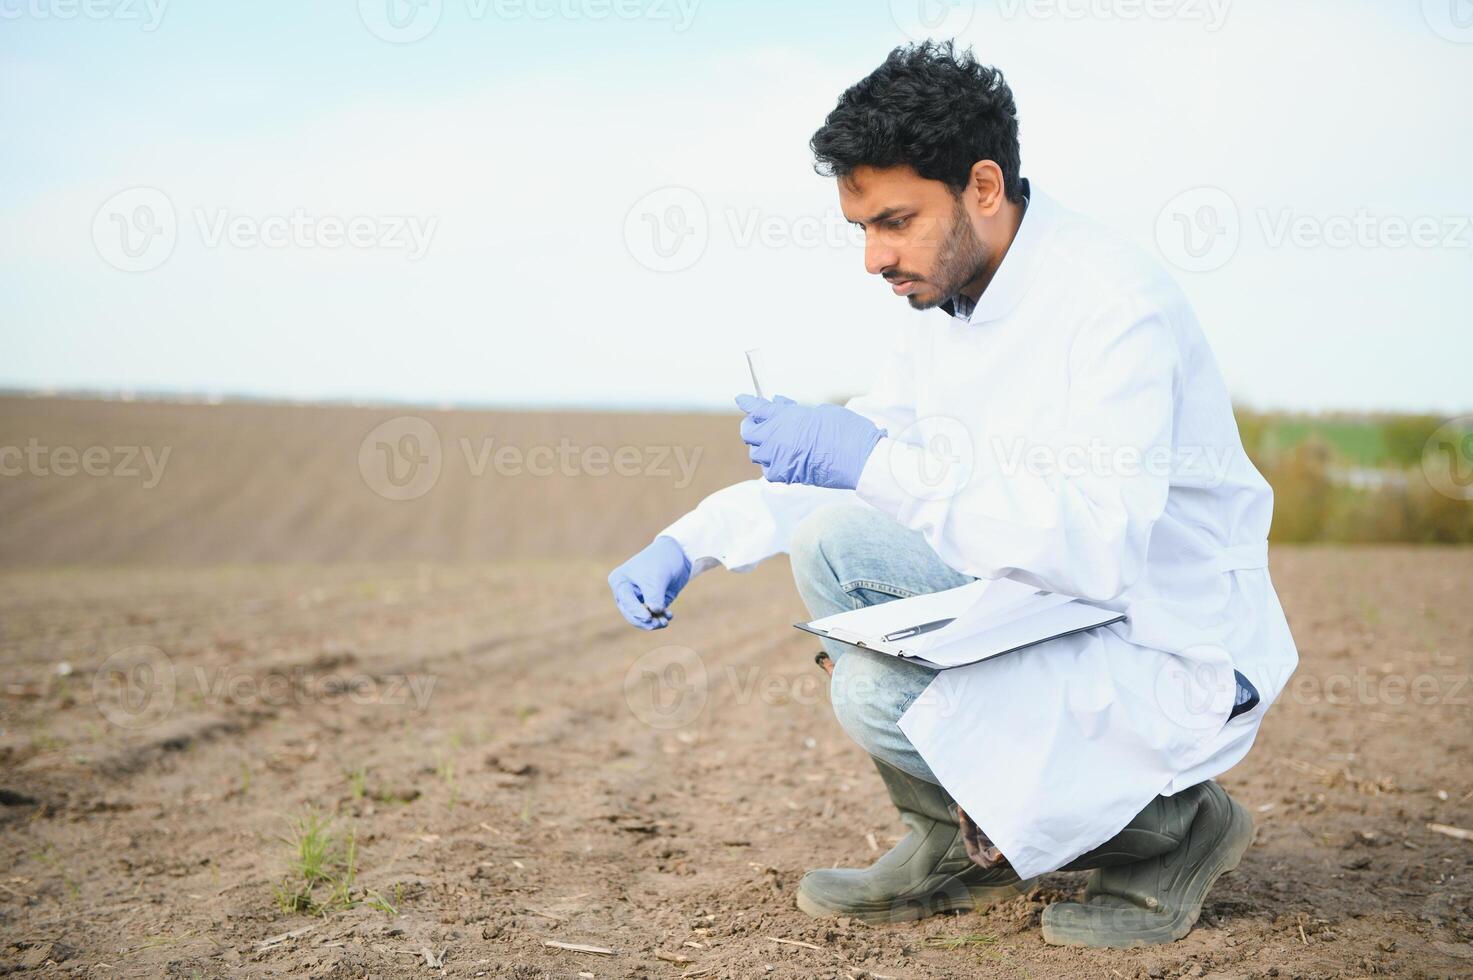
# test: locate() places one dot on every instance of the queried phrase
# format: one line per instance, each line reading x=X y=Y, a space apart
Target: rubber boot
x=926 y=873
x=1148 y=883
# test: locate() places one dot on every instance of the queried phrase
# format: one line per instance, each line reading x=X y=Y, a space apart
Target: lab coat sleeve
x=1076 y=517
x=746 y=523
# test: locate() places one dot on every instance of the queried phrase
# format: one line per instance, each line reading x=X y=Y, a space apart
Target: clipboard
x=956 y=627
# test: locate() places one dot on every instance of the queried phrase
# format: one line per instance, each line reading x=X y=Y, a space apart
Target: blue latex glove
x=820 y=445
x=645 y=585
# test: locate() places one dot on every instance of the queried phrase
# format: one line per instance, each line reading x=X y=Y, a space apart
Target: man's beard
x=961 y=258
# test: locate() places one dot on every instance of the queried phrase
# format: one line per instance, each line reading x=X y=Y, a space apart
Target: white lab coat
x=1072 y=433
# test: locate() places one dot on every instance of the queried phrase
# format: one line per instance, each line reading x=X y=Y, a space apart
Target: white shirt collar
x=1019 y=264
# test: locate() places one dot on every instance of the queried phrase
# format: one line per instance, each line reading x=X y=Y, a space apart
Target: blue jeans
x=849 y=555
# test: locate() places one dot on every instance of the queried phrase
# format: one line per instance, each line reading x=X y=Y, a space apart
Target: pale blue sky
x=533 y=157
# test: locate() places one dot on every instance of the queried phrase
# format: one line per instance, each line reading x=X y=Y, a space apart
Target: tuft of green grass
x=960 y=942
x=445 y=768
x=357 y=780
x=61 y=689
x=341 y=894
x=52 y=860
x=1369 y=611
x=324 y=867
x=377 y=901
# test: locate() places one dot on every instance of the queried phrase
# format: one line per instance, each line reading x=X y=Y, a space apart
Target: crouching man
x=1062 y=423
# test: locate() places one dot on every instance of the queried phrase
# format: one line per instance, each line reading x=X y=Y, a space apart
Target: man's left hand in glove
x=820 y=445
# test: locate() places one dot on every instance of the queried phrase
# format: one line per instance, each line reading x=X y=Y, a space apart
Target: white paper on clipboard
x=989 y=617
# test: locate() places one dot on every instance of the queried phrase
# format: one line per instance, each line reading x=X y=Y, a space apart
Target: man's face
x=917 y=233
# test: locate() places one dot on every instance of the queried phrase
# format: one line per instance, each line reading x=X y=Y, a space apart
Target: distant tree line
x=1349 y=478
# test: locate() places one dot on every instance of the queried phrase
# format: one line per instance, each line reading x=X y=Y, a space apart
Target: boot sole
x=920 y=907
x=1226 y=857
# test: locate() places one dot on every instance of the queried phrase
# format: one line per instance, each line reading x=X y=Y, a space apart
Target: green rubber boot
x=1148 y=883
x=926 y=873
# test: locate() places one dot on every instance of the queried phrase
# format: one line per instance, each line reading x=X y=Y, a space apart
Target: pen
x=918 y=630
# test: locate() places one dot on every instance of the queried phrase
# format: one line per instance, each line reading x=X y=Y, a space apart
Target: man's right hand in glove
x=645 y=585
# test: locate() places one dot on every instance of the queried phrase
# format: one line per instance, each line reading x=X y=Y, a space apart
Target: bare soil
x=518 y=767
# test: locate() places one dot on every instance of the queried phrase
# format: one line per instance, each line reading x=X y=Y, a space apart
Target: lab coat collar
x=1021 y=262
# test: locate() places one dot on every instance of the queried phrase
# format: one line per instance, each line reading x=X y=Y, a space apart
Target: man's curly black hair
x=930 y=107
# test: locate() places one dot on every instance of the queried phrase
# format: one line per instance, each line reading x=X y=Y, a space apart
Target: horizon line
x=194 y=397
